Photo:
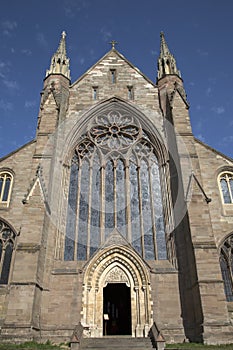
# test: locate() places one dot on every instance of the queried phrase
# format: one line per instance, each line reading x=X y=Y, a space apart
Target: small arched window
x=6 y=180
x=226 y=187
x=226 y=264
x=7 y=240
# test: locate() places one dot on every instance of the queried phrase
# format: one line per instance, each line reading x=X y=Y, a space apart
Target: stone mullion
x=77 y=211
x=115 y=193
x=168 y=210
x=229 y=188
x=128 y=200
x=152 y=211
x=89 y=208
x=140 y=211
x=229 y=258
x=59 y=249
x=102 y=203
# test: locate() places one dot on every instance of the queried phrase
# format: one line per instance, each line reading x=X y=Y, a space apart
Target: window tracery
x=226 y=264
x=7 y=240
x=115 y=183
x=226 y=187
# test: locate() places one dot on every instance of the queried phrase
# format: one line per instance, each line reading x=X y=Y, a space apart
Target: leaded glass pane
x=226 y=278
x=135 y=217
x=231 y=187
x=95 y=207
x=120 y=195
x=225 y=191
x=0 y=250
x=146 y=212
x=1 y=186
x=6 y=189
x=109 y=198
x=71 y=212
x=158 y=207
x=83 y=212
x=6 y=263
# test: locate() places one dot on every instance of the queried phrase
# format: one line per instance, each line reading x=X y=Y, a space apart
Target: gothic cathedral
x=115 y=220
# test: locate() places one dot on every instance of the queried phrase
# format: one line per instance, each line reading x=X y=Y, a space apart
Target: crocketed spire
x=166 y=61
x=60 y=62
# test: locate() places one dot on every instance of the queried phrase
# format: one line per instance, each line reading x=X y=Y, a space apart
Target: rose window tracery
x=114 y=131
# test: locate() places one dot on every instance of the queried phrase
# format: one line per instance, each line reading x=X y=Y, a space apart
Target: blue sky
x=199 y=34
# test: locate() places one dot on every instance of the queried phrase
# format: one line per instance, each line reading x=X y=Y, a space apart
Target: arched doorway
x=117 y=309
x=113 y=272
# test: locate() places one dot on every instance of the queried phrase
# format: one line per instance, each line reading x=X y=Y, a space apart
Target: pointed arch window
x=115 y=185
x=226 y=264
x=6 y=180
x=226 y=187
x=7 y=241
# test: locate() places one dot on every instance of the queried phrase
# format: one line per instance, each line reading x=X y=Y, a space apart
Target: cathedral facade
x=115 y=219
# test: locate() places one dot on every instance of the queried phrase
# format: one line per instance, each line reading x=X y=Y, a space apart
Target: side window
x=226 y=264
x=7 y=240
x=226 y=187
x=6 y=181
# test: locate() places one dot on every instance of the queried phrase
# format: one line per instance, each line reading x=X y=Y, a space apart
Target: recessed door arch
x=116 y=265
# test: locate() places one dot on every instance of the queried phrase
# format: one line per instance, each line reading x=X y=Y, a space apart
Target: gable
x=129 y=84
x=112 y=60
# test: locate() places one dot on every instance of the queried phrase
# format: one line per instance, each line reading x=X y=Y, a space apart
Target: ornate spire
x=166 y=61
x=59 y=62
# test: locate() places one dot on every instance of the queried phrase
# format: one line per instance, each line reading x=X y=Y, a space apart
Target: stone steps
x=122 y=343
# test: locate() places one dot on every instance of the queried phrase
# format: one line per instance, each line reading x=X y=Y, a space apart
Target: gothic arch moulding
x=102 y=108
x=116 y=264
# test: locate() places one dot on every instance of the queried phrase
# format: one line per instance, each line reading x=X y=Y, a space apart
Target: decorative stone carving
x=117 y=275
x=115 y=131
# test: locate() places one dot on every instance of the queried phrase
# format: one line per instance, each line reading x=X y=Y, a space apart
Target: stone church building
x=115 y=219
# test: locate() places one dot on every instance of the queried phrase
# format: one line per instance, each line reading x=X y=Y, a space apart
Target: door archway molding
x=116 y=264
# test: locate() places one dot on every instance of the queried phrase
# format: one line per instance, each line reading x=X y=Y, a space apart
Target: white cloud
x=154 y=53
x=218 y=110
x=3 y=69
x=199 y=125
x=106 y=34
x=71 y=7
x=30 y=104
x=226 y=140
x=11 y=84
x=202 y=52
x=26 y=52
x=201 y=137
x=8 y=27
x=41 y=40
x=82 y=60
x=5 y=105
x=208 y=91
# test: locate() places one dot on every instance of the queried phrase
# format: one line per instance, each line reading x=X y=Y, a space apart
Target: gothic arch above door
x=116 y=265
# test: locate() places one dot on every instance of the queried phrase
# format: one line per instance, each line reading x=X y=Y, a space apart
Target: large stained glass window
x=115 y=184
x=226 y=264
